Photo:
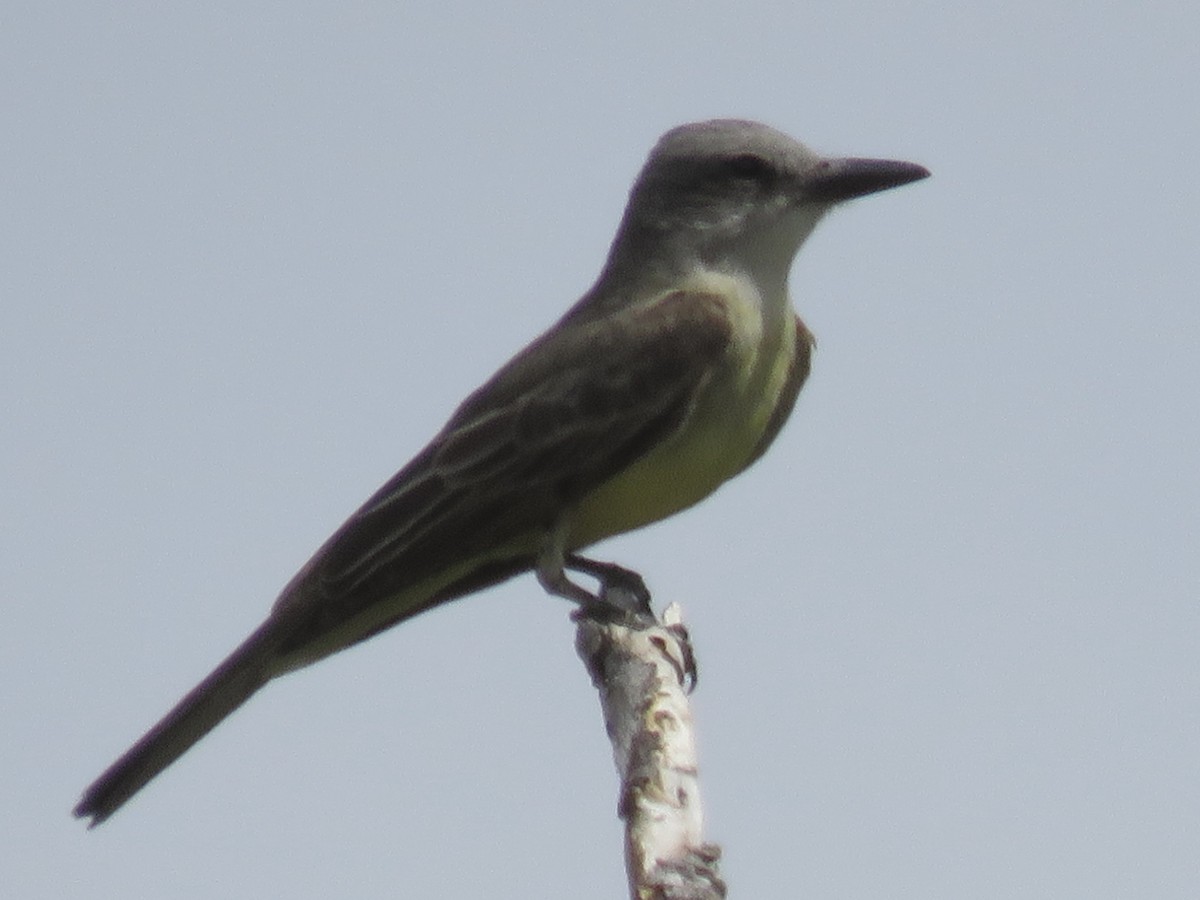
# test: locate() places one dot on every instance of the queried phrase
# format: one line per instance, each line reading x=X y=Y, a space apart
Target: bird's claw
x=622 y=593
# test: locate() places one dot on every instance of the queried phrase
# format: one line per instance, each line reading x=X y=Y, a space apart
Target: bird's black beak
x=833 y=180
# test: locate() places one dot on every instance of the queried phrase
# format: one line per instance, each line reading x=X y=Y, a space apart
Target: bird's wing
x=573 y=409
x=565 y=415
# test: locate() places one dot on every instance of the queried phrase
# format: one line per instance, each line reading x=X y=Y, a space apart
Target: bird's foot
x=623 y=592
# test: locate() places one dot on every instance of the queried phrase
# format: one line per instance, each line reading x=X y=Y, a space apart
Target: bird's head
x=711 y=187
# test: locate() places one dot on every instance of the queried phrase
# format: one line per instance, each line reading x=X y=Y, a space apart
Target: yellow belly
x=714 y=444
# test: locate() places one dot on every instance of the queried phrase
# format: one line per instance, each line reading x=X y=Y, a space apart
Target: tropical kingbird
x=671 y=375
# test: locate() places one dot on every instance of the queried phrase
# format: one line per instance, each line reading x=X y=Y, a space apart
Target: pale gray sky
x=949 y=629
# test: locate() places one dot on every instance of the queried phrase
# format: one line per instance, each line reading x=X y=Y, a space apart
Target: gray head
x=717 y=184
x=734 y=161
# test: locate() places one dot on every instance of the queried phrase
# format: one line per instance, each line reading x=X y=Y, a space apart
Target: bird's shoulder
x=668 y=335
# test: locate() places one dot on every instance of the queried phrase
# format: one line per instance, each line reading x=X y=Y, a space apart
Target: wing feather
x=573 y=409
x=570 y=411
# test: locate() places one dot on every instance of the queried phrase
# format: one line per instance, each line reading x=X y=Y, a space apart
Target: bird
x=671 y=375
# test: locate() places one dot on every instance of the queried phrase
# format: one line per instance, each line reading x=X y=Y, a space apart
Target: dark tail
x=230 y=685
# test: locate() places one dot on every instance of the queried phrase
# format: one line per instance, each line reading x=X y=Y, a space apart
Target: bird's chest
x=729 y=418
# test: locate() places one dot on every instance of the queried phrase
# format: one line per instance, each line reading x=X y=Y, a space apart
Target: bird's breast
x=728 y=419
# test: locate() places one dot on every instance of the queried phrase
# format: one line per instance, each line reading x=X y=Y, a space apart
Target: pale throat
x=760 y=255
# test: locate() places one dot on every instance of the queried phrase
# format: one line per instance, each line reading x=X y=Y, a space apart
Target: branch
x=641 y=671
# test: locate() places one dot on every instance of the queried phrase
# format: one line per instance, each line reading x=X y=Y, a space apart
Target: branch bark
x=642 y=672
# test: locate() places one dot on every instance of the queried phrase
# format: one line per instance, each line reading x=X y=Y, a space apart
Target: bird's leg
x=621 y=588
x=552 y=576
x=622 y=592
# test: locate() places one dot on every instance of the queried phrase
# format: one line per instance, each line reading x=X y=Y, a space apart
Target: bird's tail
x=230 y=685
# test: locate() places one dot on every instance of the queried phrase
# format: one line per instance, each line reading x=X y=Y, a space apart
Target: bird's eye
x=749 y=165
